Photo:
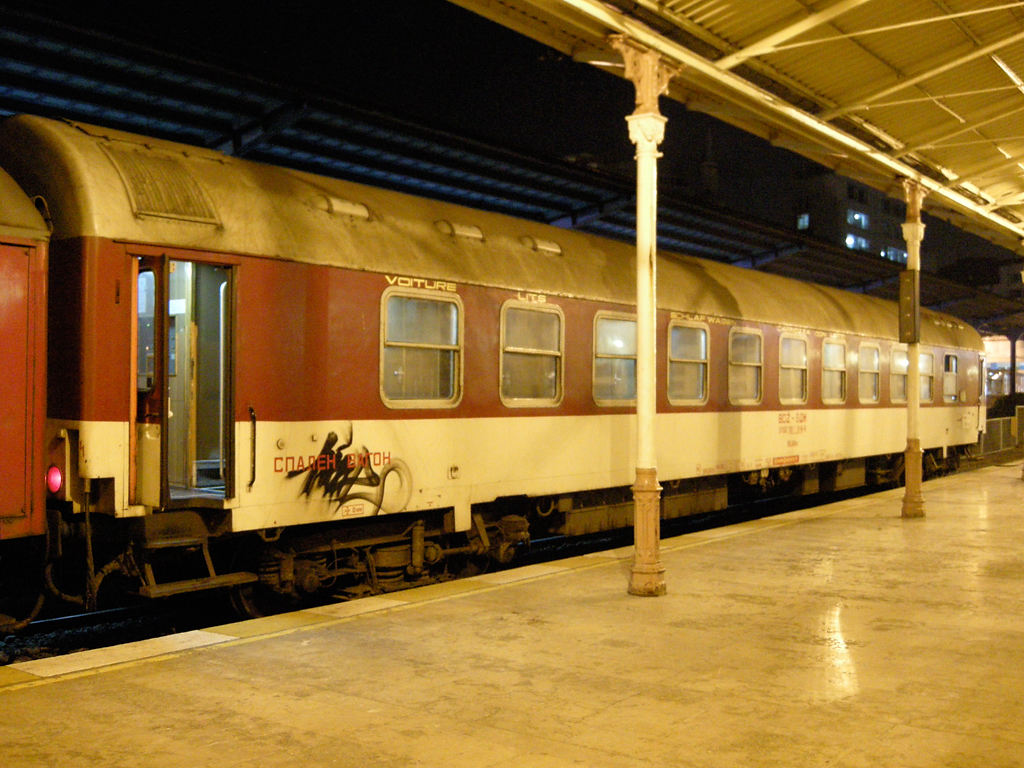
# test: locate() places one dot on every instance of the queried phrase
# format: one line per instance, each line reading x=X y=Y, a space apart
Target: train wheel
x=251 y=601
x=243 y=601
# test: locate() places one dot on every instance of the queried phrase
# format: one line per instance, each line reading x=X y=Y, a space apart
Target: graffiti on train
x=346 y=475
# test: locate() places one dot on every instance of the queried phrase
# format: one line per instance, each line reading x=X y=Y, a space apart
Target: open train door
x=184 y=441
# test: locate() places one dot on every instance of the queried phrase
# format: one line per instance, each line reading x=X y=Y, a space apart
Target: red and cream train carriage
x=242 y=349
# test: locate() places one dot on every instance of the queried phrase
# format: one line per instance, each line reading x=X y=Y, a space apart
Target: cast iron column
x=646 y=130
x=913 y=233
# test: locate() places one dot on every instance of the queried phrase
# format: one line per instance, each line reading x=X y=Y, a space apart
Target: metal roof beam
x=681 y=213
x=949 y=16
x=874 y=284
x=242 y=140
x=979 y=170
x=355 y=169
x=591 y=213
x=945 y=66
x=1007 y=200
x=137 y=76
x=940 y=97
x=770 y=43
x=942 y=306
x=995 y=113
x=758 y=260
x=1019 y=325
x=429 y=169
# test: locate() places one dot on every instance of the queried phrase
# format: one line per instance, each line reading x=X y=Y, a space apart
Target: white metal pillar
x=913 y=233
x=650 y=77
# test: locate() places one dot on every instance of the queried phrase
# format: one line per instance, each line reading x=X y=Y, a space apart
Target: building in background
x=848 y=213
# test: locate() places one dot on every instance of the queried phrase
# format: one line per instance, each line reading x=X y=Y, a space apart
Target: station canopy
x=874 y=89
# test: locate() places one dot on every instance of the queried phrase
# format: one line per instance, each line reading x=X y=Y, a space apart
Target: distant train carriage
x=303 y=383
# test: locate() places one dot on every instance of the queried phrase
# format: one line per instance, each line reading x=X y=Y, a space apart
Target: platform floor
x=838 y=636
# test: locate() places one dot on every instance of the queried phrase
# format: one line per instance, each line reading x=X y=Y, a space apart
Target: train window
x=531 y=354
x=898 y=376
x=792 y=370
x=421 y=356
x=833 y=372
x=950 y=385
x=927 y=376
x=746 y=359
x=614 y=359
x=146 y=362
x=869 y=377
x=687 y=364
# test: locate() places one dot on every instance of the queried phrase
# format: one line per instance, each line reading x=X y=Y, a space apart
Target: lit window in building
x=857 y=243
x=856 y=219
x=895 y=254
x=803 y=221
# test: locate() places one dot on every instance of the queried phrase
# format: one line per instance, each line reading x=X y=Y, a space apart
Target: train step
x=199 y=550
x=190 y=541
x=169 y=588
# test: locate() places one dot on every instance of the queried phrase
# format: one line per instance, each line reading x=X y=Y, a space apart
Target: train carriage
x=239 y=352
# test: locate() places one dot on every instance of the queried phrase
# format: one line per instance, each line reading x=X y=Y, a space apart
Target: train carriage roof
x=105 y=183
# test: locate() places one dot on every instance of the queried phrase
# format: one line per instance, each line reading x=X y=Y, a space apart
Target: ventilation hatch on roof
x=160 y=185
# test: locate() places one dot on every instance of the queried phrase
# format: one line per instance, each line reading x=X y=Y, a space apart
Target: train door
x=183 y=425
x=19 y=409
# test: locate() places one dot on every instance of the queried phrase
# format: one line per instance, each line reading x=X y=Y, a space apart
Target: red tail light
x=54 y=479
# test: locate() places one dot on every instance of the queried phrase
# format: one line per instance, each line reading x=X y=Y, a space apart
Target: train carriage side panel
x=89 y=363
x=23 y=255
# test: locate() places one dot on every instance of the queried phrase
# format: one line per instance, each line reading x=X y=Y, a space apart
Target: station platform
x=836 y=636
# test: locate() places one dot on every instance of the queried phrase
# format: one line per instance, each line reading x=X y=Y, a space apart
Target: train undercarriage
x=89 y=559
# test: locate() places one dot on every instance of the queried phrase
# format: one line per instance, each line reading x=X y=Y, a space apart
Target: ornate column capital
x=646 y=129
x=913 y=192
x=650 y=75
x=913 y=231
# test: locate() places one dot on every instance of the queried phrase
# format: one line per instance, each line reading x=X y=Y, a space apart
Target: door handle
x=252 y=447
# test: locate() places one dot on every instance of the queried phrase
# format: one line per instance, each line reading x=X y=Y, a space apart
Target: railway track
x=68 y=633
x=61 y=634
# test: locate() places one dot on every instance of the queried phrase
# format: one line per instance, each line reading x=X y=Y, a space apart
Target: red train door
x=184 y=432
x=21 y=398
